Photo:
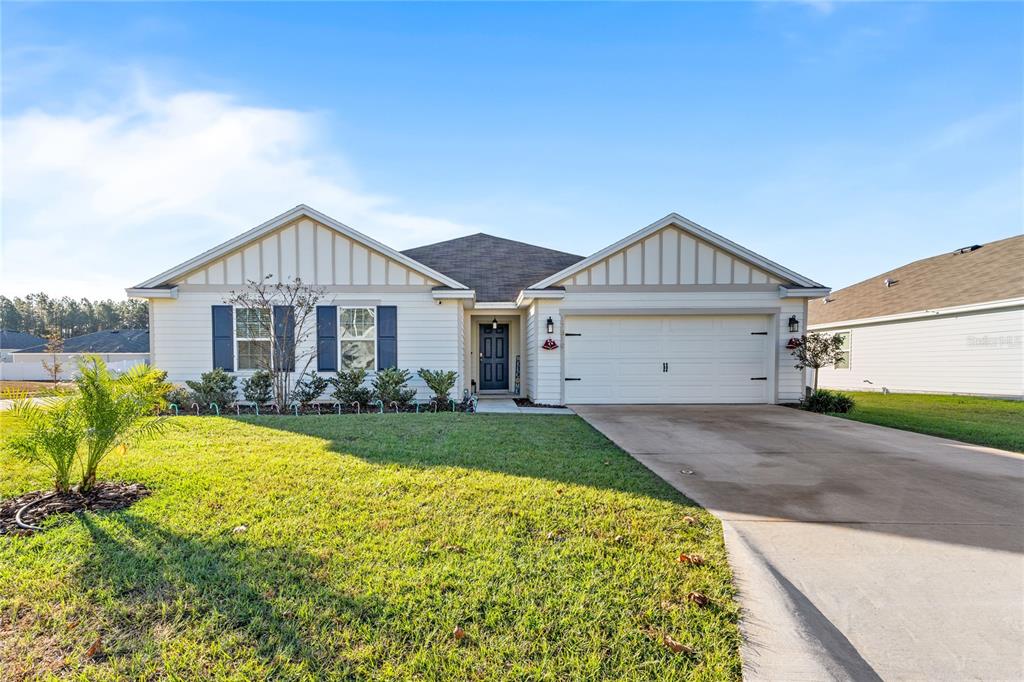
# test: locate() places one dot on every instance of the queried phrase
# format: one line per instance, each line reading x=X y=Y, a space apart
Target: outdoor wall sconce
x=494 y=323
x=794 y=324
x=551 y=326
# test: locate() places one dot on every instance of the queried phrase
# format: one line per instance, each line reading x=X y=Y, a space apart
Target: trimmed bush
x=309 y=388
x=215 y=386
x=259 y=388
x=824 y=401
x=440 y=382
x=348 y=387
x=390 y=386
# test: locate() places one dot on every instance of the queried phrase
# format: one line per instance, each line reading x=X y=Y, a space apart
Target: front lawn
x=352 y=547
x=984 y=421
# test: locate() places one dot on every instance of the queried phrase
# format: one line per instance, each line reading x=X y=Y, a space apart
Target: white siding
x=311 y=251
x=670 y=256
x=975 y=353
x=532 y=349
x=545 y=371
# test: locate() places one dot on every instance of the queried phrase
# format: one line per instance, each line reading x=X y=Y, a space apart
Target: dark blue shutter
x=284 y=338
x=387 y=336
x=327 y=338
x=223 y=338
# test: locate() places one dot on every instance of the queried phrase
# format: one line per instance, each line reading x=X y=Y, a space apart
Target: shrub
x=215 y=386
x=348 y=387
x=824 y=400
x=51 y=437
x=259 y=388
x=440 y=382
x=310 y=387
x=389 y=386
x=113 y=411
x=180 y=396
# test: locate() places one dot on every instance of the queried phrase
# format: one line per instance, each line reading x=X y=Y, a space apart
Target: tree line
x=40 y=314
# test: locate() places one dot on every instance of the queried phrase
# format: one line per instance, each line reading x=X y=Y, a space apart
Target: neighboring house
x=672 y=313
x=119 y=348
x=13 y=341
x=952 y=323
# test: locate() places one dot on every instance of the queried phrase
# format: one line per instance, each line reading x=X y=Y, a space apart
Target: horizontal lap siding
x=978 y=353
x=427 y=332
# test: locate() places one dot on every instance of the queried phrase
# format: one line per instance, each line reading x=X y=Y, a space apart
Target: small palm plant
x=115 y=411
x=50 y=435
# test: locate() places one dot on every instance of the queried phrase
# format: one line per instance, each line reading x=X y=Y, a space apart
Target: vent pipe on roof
x=889 y=282
x=967 y=249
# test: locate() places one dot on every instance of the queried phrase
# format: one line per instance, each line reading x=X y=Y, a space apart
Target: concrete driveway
x=860 y=552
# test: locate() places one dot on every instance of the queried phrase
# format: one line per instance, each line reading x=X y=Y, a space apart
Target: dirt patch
x=106 y=496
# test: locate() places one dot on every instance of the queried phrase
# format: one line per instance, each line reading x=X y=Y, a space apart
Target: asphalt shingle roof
x=992 y=272
x=106 y=341
x=498 y=269
x=13 y=340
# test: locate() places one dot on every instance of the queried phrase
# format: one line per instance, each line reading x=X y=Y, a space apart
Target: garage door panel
x=709 y=359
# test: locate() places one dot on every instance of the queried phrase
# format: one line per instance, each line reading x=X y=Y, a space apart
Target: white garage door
x=680 y=359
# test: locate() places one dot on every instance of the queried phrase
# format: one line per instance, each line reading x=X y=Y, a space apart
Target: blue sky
x=838 y=139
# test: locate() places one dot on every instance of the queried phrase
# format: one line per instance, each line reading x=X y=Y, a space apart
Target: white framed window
x=253 y=338
x=357 y=338
x=845 y=352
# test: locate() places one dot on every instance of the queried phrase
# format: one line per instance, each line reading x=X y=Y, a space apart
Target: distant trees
x=40 y=314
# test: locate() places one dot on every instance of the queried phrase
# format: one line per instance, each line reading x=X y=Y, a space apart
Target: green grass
x=983 y=421
x=369 y=540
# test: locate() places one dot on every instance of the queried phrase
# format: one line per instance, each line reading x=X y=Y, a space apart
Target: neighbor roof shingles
x=993 y=272
x=496 y=268
x=106 y=341
x=9 y=339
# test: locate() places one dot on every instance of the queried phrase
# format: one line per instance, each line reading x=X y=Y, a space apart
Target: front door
x=493 y=357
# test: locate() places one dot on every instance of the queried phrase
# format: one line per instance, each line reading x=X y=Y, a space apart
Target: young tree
x=292 y=320
x=815 y=350
x=54 y=346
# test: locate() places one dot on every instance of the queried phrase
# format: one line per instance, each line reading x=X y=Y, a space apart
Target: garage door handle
x=568 y=334
x=759 y=378
x=573 y=379
x=759 y=333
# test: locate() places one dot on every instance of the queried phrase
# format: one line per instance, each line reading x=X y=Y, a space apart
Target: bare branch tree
x=291 y=319
x=54 y=346
x=815 y=350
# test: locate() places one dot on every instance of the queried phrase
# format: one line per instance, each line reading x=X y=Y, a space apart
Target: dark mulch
x=325 y=409
x=526 y=402
x=106 y=496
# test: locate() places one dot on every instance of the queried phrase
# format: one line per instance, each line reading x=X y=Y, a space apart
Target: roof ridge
x=492 y=236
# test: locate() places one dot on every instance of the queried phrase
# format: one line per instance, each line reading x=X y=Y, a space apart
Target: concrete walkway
x=860 y=552
x=508 y=406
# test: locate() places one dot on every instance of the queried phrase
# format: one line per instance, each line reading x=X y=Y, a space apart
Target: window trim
x=237 y=338
x=848 y=352
x=342 y=340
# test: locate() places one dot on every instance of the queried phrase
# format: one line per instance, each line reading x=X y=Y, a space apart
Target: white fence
x=29 y=366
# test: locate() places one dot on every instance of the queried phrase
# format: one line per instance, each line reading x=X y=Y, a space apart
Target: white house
x=952 y=323
x=671 y=313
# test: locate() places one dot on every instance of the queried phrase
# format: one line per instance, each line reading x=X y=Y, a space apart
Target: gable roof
x=498 y=269
x=104 y=341
x=299 y=211
x=694 y=229
x=9 y=339
x=991 y=272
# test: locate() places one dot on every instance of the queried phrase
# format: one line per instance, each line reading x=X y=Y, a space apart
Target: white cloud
x=99 y=200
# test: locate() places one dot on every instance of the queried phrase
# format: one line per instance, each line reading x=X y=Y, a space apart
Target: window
x=358 y=338
x=843 y=361
x=253 y=338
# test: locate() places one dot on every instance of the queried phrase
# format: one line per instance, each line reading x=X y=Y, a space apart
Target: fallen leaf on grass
x=619 y=538
x=676 y=646
x=239 y=529
x=458 y=633
x=694 y=559
x=457 y=549
x=689 y=521
x=698 y=599
x=96 y=649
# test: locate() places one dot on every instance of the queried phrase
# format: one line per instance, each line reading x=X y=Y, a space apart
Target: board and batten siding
x=979 y=353
x=532 y=348
x=181 y=338
x=547 y=379
x=669 y=256
x=308 y=251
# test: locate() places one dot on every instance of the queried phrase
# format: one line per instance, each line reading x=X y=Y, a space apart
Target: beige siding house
x=952 y=323
x=672 y=313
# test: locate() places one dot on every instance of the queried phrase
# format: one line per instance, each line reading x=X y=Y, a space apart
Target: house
x=119 y=348
x=671 y=313
x=11 y=341
x=952 y=323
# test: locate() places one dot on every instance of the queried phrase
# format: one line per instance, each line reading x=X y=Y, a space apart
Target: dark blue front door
x=493 y=357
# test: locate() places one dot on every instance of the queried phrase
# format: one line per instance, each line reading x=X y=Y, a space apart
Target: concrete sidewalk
x=860 y=552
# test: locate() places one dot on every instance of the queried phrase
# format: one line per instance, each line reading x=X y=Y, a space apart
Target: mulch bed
x=106 y=496
x=325 y=409
x=526 y=402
